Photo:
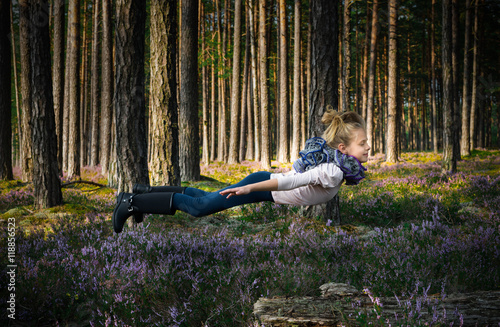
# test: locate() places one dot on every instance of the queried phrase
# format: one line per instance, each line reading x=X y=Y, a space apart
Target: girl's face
x=358 y=147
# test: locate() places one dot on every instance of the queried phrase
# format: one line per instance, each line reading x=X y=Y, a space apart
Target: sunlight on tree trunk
x=392 y=146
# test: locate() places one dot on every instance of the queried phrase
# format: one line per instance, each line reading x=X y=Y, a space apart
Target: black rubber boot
x=131 y=204
x=140 y=189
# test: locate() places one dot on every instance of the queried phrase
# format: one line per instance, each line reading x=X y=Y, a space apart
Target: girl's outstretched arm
x=269 y=185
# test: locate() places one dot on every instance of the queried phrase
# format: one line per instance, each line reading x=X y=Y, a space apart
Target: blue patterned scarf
x=317 y=152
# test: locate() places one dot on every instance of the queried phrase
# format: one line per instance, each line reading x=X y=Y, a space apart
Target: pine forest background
x=149 y=90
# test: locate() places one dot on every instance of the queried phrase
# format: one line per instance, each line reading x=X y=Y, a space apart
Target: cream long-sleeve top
x=317 y=185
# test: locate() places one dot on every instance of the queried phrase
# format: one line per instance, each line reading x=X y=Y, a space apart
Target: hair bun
x=329 y=115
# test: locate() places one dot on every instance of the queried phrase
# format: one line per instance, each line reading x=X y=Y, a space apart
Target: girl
x=316 y=178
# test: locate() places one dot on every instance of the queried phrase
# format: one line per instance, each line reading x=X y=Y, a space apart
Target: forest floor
x=406 y=230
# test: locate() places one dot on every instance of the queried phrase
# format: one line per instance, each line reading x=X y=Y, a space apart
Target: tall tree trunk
x=250 y=151
x=189 y=138
x=46 y=184
x=107 y=86
x=466 y=101
x=5 y=94
x=65 y=106
x=94 y=135
x=265 y=157
x=254 y=88
x=308 y=70
x=225 y=81
x=449 y=164
x=284 y=155
x=245 y=146
x=433 y=82
x=364 y=73
x=346 y=67
x=371 y=76
x=25 y=54
x=84 y=89
x=235 y=88
x=303 y=105
x=392 y=131
x=244 y=108
x=221 y=86
x=164 y=161
x=19 y=131
x=324 y=81
x=74 y=89
x=58 y=72
x=475 y=72
x=410 y=104
x=204 y=86
x=213 y=110
x=454 y=68
x=380 y=116
x=131 y=138
x=296 y=84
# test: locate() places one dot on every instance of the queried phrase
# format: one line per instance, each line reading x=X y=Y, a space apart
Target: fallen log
x=341 y=304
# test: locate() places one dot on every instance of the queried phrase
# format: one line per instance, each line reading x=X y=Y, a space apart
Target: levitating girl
x=316 y=177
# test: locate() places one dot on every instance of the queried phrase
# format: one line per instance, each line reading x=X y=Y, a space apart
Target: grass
x=406 y=230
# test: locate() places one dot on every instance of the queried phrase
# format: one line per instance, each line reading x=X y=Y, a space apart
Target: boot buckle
x=130 y=207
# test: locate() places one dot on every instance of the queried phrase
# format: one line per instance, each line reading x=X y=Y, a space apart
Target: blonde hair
x=340 y=126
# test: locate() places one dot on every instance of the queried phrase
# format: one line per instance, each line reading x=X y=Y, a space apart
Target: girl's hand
x=236 y=191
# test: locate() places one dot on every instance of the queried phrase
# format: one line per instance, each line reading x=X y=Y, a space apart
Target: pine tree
x=5 y=90
x=164 y=130
x=324 y=81
x=392 y=127
x=189 y=139
x=131 y=141
x=46 y=183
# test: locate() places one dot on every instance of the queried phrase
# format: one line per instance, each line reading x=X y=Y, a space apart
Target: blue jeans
x=199 y=203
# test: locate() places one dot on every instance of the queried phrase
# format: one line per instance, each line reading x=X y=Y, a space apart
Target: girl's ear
x=342 y=148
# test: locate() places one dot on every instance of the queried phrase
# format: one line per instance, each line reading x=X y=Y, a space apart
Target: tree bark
x=189 y=138
x=346 y=67
x=364 y=72
x=234 y=137
x=74 y=89
x=392 y=126
x=284 y=155
x=449 y=164
x=475 y=72
x=296 y=116
x=95 y=90
x=164 y=162
x=107 y=86
x=336 y=307
x=46 y=183
x=84 y=89
x=324 y=82
x=265 y=157
x=456 y=121
x=24 y=47
x=465 y=141
x=433 y=82
x=245 y=108
x=58 y=72
x=213 y=110
x=371 y=76
x=221 y=134
x=5 y=94
x=255 y=83
x=131 y=140
x=18 y=131
x=204 y=86
x=410 y=103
